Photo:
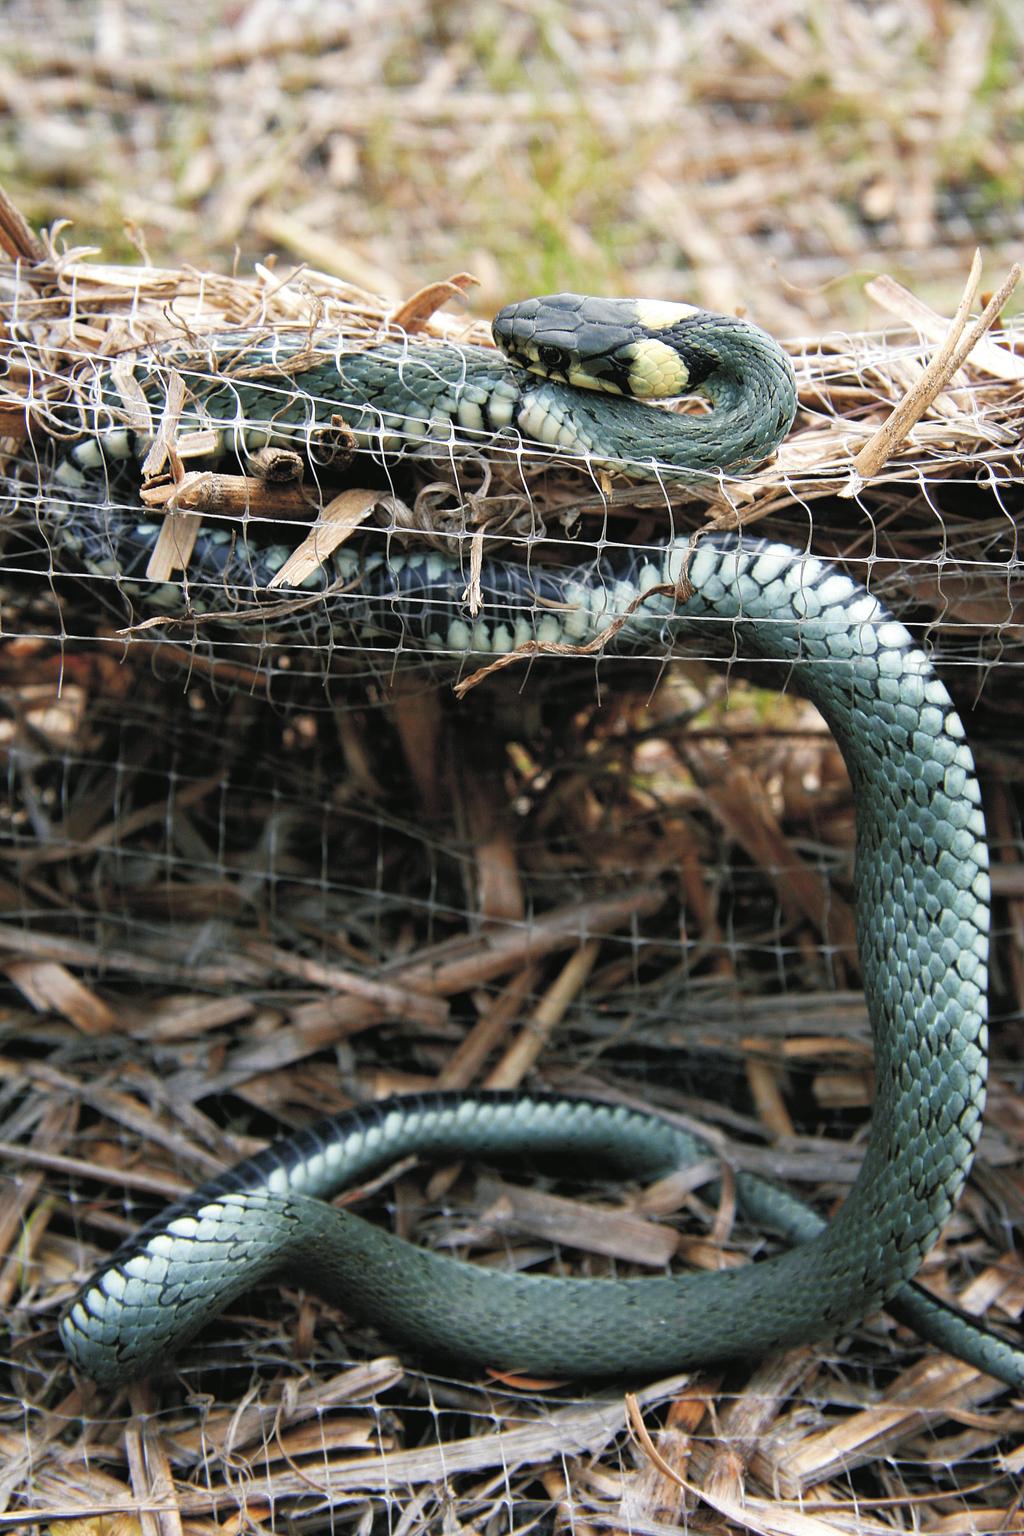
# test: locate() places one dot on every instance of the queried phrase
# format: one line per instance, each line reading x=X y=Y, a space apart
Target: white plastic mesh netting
x=257 y=867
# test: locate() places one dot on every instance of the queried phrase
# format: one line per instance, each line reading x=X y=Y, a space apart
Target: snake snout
x=622 y=346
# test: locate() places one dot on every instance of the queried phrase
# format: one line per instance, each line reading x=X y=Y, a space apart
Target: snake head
x=623 y=346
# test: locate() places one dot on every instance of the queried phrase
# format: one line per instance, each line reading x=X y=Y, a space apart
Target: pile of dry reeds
x=239 y=895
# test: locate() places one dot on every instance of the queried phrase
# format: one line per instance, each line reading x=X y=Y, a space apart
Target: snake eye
x=550 y=357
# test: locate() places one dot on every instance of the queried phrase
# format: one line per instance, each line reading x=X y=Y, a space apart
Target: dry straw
x=209 y=897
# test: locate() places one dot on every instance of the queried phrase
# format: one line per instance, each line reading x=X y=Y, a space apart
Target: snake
x=577 y=377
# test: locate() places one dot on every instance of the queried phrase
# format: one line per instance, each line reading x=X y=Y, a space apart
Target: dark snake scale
x=571 y=382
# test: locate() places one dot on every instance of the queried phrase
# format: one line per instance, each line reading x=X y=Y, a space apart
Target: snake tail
x=922 y=903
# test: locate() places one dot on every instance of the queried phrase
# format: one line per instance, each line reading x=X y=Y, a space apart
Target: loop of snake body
x=922 y=889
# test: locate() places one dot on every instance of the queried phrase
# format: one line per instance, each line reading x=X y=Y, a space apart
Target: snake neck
x=747 y=382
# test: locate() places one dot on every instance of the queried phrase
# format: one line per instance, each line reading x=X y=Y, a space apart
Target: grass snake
x=575 y=380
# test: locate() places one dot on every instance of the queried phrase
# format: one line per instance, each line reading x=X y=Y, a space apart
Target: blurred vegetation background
x=767 y=157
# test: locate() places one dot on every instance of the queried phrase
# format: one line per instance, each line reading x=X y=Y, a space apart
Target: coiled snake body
x=922 y=885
